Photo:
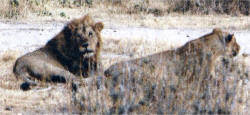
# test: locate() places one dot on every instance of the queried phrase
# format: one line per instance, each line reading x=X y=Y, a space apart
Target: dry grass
x=129 y=48
x=159 y=13
x=227 y=92
x=13 y=8
x=147 y=95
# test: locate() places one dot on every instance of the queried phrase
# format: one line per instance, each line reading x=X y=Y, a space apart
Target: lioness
x=72 y=52
x=181 y=79
x=195 y=58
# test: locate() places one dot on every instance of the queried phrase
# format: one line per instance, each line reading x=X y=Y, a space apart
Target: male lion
x=72 y=52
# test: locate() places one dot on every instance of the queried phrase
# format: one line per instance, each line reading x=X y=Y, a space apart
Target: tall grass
x=227 y=92
x=22 y=8
x=165 y=93
x=230 y=7
x=141 y=91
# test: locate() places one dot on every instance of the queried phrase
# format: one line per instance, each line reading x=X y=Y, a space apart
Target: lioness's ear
x=217 y=30
x=229 y=38
x=99 y=26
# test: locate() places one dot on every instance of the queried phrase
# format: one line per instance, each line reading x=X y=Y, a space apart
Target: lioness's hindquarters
x=73 y=52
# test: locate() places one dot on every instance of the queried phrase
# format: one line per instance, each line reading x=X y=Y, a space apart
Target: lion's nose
x=85 y=45
x=89 y=51
x=234 y=53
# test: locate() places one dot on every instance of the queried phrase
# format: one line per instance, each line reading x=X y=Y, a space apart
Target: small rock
x=9 y=108
x=245 y=55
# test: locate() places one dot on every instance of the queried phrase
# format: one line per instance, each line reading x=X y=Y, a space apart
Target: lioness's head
x=227 y=42
x=85 y=34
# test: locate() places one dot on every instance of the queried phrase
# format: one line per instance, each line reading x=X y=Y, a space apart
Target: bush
x=230 y=7
x=20 y=8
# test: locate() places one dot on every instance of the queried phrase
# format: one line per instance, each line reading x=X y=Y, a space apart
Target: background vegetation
x=22 y=8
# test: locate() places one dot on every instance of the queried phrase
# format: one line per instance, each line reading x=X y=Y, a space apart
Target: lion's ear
x=99 y=26
x=71 y=26
x=217 y=30
x=229 y=38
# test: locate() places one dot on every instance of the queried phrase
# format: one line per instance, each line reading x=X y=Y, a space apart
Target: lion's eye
x=229 y=38
x=90 y=34
x=84 y=29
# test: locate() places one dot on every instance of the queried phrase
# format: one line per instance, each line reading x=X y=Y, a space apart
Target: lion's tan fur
x=195 y=58
x=185 y=72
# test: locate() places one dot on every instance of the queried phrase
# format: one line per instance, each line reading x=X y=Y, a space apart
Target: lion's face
x=233 y=48
x=229 y=45
x=86 y=38
x=86 y=35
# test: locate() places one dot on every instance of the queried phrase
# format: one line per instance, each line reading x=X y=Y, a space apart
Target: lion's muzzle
x=85 y=45
x=234 y=53
x=85 y=50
